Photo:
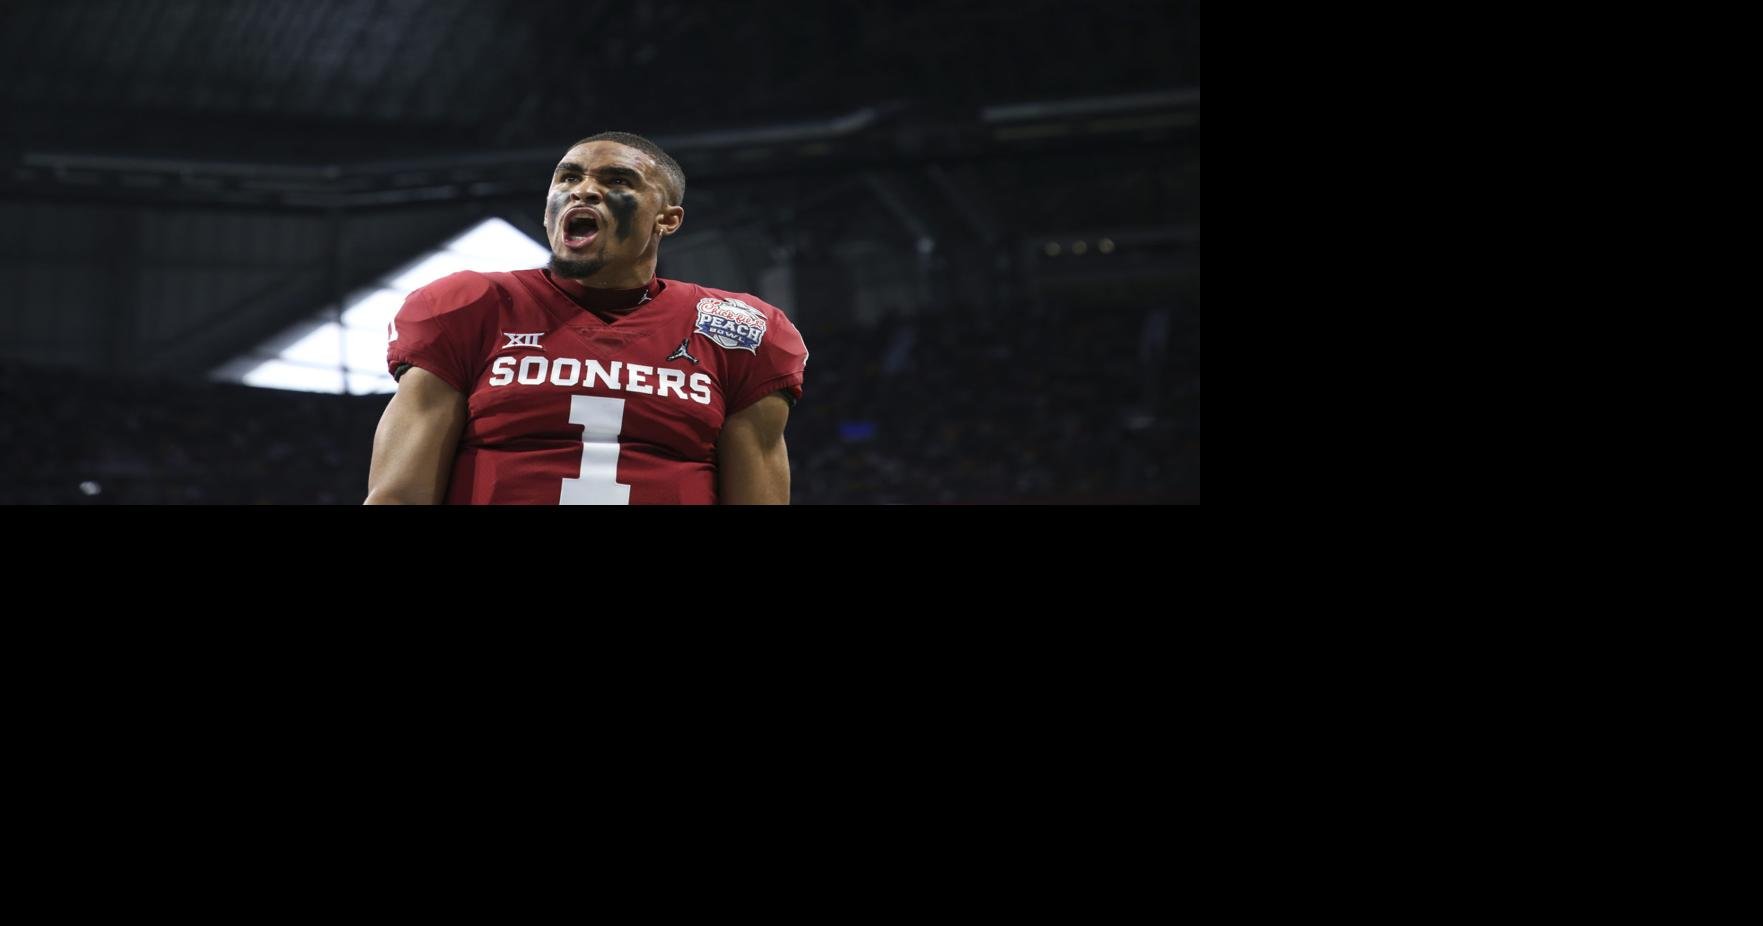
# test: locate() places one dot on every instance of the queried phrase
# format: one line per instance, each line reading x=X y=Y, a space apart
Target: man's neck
x=607 y=279
x=589 y=294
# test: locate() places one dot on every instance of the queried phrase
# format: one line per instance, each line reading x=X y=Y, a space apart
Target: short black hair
x=676 y=178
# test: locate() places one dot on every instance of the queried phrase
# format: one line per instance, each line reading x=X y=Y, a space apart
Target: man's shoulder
x=733 y=319
x=468 y=289
x=456 y=289
x=734 y=299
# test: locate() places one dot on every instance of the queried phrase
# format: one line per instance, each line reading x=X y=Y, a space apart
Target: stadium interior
x=984 y=217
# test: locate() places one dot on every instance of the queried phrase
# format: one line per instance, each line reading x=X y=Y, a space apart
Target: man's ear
x=670 y=220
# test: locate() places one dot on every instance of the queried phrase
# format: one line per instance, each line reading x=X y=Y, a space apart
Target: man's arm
x=753 y=465
x=414 y=445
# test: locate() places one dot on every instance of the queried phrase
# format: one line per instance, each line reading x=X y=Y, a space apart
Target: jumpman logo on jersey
x=680 y=351
x=646 y=297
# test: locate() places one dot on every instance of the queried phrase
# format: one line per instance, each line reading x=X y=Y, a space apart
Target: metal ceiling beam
x=1094 y=106
x=862 y=140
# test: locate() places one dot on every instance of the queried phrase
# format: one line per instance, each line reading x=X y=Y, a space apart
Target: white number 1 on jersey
x=601 y=419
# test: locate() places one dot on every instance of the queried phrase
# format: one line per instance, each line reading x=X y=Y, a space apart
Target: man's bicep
x=753 y=463
x=414 y=444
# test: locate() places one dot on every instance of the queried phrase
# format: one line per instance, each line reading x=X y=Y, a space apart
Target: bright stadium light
x=318 y=355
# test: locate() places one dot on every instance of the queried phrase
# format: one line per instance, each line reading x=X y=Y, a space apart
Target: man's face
x=607 y=208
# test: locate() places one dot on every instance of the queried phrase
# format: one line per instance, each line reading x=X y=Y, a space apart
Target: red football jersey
x=568 y=409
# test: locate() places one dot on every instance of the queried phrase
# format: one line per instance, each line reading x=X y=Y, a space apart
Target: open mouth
x=579 y=229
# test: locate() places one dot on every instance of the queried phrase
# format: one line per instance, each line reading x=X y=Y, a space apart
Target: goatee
x=576 y=269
